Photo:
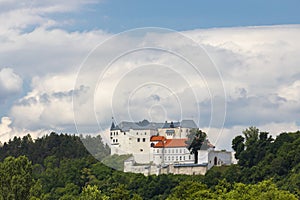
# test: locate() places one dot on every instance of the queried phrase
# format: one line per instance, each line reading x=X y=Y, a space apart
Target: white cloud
x=18 y=15
x=290 y=92
x=7 y=131
x=258 y=66
x=10 y=83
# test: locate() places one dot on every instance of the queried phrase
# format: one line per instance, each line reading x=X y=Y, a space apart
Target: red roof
x=156 y=138
x=169 y=143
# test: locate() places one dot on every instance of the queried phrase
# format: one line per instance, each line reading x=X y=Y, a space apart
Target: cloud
x=10 y=83
x=7 y=131
x=259 y=67
x=19 y=15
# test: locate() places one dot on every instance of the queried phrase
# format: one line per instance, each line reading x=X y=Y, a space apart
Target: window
x=152 y=144
x=137 y=133
x=179 y=150
x=113 y=140
x=145 y=133
x=117 y=133
x=114 y=133
x=110 y=133
x=116 y=140
x=124 y=133
x=215 y=161
x=157 y=150
x=138 y=140
x=172 y=150
x=176 y=150
x=141 y=150
x=179 y=157
x=165 y=151
x=144 y=139
x=189 y=157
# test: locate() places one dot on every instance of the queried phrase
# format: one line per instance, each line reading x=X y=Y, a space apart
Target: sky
x=70 y=66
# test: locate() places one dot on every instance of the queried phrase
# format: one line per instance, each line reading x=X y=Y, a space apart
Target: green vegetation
x=59 y=167
x=195 y=142
x=116 y=161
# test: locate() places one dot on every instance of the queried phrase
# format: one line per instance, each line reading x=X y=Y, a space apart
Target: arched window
x=215 y=161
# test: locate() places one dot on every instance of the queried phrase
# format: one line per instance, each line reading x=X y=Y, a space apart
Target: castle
x=158 y=148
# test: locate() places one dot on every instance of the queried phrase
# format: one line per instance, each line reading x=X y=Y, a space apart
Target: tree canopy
x=267 y=169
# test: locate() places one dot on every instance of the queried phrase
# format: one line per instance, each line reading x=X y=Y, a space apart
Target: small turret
x=112 y=126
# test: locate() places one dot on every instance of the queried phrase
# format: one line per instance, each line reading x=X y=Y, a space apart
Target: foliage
x=116 y=161
x=267 y=169
x=196 y=141
x=16 y=178
x=92 y=193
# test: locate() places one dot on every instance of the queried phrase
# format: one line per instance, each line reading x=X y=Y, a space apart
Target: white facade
x=134 y=138
x=172 y=155
x=135 y=142
x=161 y=148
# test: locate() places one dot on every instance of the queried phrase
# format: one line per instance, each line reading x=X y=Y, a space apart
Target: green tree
x=196 y=141
x=261 y=191
x=120 y=193
x=190 y=190
x=238 y=145
x=92 y=193
x=16 y=178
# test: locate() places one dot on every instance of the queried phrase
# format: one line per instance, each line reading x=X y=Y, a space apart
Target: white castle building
x=161 y=148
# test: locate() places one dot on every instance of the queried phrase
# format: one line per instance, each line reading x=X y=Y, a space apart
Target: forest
x=58 y=166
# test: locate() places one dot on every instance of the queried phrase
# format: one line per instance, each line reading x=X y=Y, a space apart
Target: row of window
x=114 y=133
x=139 y=139
x=115 y=140
x=171 y=151
x=176 y=158
x=141 y=133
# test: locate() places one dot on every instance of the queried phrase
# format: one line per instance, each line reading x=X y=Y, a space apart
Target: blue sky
x=115 y=16
x=255 y=46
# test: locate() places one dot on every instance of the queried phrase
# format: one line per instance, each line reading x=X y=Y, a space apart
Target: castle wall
x=219 y=158
x=135 y=142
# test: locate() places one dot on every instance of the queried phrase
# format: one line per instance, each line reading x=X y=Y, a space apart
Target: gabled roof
x=146 y=125
x=143 y=125
x=171 y=143
x=113 y=127
x=188 y=123
x=156 y=138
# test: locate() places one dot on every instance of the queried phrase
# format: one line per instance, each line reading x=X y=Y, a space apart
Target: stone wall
x=189 y=169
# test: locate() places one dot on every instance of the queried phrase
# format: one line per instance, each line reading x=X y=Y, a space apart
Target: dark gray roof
x=113 y=127
x=143 y=125
x=146 y=125
x=170 y=124
x=188 y=123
